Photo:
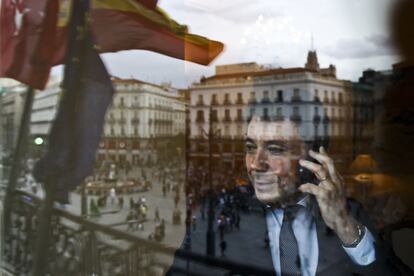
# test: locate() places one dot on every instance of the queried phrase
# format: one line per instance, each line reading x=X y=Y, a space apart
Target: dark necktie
x=288 y=245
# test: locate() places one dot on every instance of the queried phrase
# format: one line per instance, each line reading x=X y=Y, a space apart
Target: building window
x=214 y=116
x=239 y=98
x=316 y=93
x=252 y=111
x=333 y=112
x=112 y=131
x=296 y=93
x=135 y=131
x=226 y=130
x=122 y=131
x=239 y=130
x=200 y=99
x=280 y=95
x=200 y=116
x=239 y=113
x=214 y=99
x=341 y=100
x=296 y=111
x=252 y=95
x=316 y=109
x=333 y=96
x=279 y=111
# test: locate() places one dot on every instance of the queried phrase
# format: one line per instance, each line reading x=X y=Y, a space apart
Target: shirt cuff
x=364 y=252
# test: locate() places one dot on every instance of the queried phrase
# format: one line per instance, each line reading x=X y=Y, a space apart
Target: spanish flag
x=31 y=45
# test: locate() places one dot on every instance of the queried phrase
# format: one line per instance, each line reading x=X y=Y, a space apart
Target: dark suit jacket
x=333 y=260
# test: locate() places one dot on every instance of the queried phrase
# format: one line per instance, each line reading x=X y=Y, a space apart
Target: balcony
x=227 y=102
x=199 y=103
x=316 y=119
x=325 y=100
x=214 y=102
x=111 y=121
x=278 y=118
x=325 y=119
x=265 y=118
x=227 y=119
x=316 y=100
x=121 y=121
x=135 y=120
x=252 y=101
x=239 y=101
x=200 y=120
x=279 y=100
x=214 y=119
x=265 y=100
x=239 y=119
x=110 y=250
x=296 y=99
x=296 y=118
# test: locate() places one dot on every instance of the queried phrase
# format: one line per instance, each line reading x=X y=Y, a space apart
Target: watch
x=361 y=234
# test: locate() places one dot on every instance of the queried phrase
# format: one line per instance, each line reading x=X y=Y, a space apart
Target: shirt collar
x=304 y=201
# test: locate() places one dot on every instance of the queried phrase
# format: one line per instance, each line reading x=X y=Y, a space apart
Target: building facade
x=143 y=118
x=12 y=105
x=313 y=98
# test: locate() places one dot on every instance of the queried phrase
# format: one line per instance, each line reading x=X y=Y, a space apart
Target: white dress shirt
x=304 y=229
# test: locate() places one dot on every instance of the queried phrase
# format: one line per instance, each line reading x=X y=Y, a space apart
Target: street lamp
x=210 y=238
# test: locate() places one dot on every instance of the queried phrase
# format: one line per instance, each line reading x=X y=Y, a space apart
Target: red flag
x=27 y=53
x=20 y=30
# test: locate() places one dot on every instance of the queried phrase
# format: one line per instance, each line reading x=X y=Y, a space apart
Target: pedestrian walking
x=194 y=223
x=112 y=195
x=223 y=247
x=121 y=202
x=157 y=214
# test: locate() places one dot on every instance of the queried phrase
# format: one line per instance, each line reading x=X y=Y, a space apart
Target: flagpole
x=17 y=158
x=41 y=256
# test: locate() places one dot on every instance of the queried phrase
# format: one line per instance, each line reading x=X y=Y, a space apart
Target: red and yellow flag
x=30 y=49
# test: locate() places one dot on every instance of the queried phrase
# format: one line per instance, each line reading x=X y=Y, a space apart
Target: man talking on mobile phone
x=313 y=229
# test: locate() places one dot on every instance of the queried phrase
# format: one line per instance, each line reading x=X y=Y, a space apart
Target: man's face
x=272 y=153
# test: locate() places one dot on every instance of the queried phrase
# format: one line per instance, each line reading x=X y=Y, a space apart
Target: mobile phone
x=305 y=175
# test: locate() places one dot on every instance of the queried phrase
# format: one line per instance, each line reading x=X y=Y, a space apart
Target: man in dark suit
x=312 y=228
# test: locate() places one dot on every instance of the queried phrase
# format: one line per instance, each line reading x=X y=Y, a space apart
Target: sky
x=351 y=34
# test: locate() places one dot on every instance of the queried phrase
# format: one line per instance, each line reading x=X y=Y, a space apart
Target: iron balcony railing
x=83 y=247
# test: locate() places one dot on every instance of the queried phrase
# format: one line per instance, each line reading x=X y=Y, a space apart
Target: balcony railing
x=316 y=99
x=239 y=119
x=135 y=120
x=278 y=118
x=227 y=102
x=252 y=101
x=200 y=120
x=122 y=120
x=227 y=119
x=111 y=120
x=265 y=118
x=296 y=118
x=265 y=100
x=80 y=246
x=239 y=101
x=316 y=119
x=214 y=119
x=200 y=103
x=296 y=99
x=214 y=102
